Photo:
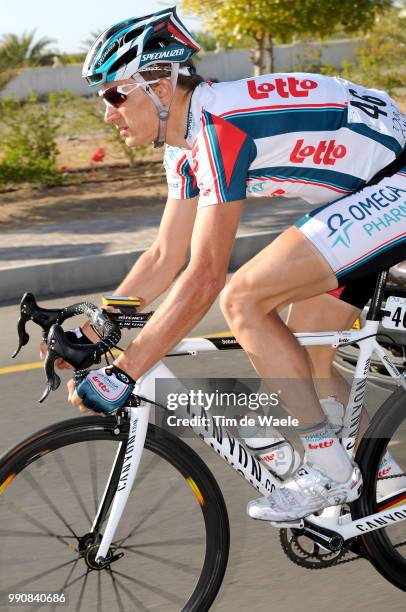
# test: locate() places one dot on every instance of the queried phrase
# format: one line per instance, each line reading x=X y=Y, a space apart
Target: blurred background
x=51 y=126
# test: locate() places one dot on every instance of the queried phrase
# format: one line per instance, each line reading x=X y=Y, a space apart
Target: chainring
x=304 y=552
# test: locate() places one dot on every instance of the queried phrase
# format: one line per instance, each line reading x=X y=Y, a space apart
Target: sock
x=389 y=467
x=323 y=449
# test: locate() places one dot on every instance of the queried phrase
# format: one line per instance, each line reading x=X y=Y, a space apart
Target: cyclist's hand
x=60 y=363
x=80 y=335
x=73 y=398
x=103 y=390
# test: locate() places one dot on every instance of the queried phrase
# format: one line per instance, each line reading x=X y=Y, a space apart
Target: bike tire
x=164 y=446
x=377 y=545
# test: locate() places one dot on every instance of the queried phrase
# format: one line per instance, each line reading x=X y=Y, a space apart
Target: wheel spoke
x=165 y=561
x=181 y=541
x=99 y=597
x=47 y=572
x=64 y=468
x=82 y=592
x=116 y=591
x=32 y=534
x=41 y=493
x=131 y=595
x=13 y=507
x=75 y=580
x=153 y=588
x=158 y=504
x=91 y=449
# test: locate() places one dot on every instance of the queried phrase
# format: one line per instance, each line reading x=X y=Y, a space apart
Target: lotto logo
x=101 y=384
x=384 y=472
x=270 y=457
x=325 y=153
x=325 y=444
x=284 y=88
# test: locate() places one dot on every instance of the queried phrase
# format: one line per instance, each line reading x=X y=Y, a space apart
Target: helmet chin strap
x=162 y=109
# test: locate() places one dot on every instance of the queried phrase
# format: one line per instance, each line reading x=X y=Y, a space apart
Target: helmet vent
x=119 y=26
x=133 y=34
x=132 y=53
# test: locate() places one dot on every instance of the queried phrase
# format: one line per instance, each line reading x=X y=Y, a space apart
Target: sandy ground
x=103 y=189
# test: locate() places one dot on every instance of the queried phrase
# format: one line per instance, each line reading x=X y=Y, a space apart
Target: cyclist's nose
x=110 y=114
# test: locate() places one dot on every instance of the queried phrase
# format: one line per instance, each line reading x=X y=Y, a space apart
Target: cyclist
x=338 y=145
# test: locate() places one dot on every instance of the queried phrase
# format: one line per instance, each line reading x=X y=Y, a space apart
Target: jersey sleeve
x=181 y=180
x=221 y=156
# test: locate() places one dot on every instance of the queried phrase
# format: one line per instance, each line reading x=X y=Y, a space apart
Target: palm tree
x=86 y=44
x=22 y=50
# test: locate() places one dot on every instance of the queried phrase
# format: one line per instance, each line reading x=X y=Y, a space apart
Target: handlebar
x=80 y=356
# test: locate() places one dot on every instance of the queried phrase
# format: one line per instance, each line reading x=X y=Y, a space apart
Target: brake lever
x=53 y=380
x=30 y=311
x=80 y=356
x=23 y=336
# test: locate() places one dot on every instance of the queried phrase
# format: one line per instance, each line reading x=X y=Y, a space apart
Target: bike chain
x=320 y=558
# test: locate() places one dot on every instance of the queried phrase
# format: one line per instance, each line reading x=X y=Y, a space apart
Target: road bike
x=64 y=489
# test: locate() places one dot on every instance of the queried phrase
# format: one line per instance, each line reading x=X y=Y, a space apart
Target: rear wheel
x=386 y=547
x=174 y=532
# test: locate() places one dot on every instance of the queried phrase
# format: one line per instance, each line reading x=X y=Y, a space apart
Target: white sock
x=389 y=467
x=323 y=449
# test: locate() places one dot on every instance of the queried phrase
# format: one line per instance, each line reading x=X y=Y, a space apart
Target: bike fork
x=121 y=481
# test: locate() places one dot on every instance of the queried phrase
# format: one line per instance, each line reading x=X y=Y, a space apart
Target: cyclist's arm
x=193 y=292
x=156 y=269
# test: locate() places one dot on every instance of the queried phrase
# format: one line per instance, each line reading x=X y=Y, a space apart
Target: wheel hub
x=91 y=555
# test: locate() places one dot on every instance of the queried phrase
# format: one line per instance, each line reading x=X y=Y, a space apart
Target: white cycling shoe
x=308 y=491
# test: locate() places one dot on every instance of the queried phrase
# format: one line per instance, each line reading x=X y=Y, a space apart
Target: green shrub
x=381 y=58
x=28 y=147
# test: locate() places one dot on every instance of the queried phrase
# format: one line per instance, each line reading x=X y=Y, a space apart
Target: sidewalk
x=78 y=238
x=95 y=253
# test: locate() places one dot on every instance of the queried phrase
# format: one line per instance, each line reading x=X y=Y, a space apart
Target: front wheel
x=174 y=533
x=386 y=547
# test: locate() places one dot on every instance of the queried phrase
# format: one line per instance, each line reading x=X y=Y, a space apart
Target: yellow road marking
x=24 y=367
x=37 y=365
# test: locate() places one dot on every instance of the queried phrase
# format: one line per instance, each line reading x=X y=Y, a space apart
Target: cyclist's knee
x=239 y=299
x=235 y=299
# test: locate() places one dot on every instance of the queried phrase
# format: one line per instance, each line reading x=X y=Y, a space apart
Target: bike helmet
x=130 y=47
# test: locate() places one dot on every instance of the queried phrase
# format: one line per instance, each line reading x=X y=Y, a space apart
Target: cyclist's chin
x=131 y=140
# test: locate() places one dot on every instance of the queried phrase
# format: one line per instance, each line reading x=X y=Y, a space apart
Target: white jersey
x=288 y=134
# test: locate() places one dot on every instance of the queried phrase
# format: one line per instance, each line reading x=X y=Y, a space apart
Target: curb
x=97 y=272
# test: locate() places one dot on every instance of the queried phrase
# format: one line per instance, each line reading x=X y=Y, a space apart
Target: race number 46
x=395 y=313
x=370 y=105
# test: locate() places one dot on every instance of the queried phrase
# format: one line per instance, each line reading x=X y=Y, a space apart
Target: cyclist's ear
x=164 y=90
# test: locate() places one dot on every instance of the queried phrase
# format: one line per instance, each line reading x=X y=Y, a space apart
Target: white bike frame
x=235 y=453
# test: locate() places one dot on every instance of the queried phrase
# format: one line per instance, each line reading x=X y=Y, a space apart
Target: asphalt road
x=259 y=575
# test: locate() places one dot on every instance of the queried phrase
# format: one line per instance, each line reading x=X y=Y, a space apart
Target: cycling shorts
x=360 y=235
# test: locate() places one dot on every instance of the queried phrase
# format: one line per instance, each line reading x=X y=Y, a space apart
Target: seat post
x=374 y=312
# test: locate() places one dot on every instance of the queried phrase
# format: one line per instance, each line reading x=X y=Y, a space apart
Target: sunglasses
x=116 y=96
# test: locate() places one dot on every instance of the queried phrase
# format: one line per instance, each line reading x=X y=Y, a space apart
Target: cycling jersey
x=287 y=134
